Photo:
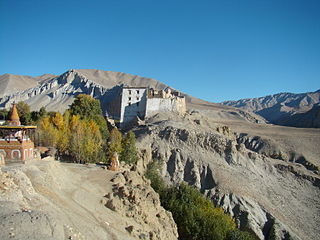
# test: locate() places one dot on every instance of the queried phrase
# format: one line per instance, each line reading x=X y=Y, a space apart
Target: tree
x=36 y=116
x=129 y=152
x=4 y=114
x=89 y=108
x=42 y=111
x=86 y=107
x=24 y=113
x=49 y=135
x=77 y=134
x=85 y=141
x=114 y=142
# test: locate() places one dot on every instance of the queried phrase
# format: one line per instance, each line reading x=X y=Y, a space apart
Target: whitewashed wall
x=155 y=105
x=133 y=103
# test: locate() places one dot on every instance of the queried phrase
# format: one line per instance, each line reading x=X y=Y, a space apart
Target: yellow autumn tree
x=114 y=142
x=86 y=142
x=92 y=141
x=75 y=143
x=48 y=134
x=61 y=125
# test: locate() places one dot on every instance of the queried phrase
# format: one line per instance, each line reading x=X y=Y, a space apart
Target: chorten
x=14 y=119
x=15 y=144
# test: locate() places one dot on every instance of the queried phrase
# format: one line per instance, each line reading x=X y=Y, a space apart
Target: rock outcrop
x=134 y=198
x=254 y=179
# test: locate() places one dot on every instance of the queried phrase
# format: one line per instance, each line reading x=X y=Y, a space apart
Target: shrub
x=153 y=174
x=196 y=216
x=236 y=234
x=129 y=152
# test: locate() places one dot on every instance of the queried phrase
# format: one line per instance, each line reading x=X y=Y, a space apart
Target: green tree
x=24 y=113
x=196 y=216
x=36 y=116
x=153 y=173
x=4 y=114
x=86 y=107
x=129 y=152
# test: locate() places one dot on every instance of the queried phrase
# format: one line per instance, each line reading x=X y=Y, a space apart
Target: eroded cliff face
x=133 y=198
x=248 y=176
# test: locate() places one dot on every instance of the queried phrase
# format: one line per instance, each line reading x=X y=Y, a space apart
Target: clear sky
x=215 y=50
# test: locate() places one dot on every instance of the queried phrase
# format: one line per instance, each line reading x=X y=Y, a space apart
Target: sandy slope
x=47 y=199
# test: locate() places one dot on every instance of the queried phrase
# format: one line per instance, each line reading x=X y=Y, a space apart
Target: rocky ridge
x=262 y=187
x=283 y=108
x=57 y=93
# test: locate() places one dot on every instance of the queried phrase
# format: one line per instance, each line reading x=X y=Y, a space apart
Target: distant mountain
x=10 y=83
x=310 y=119
x=288 y=109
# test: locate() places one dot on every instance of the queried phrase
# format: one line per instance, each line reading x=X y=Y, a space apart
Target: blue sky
x=215 y=50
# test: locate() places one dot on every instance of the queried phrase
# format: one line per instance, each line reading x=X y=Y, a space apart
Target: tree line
x=80 y=134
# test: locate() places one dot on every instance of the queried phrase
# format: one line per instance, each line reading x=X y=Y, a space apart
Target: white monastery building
x=144 y=102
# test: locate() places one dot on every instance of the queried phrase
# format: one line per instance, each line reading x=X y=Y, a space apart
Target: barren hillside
x=266 y=176
x=47 y=199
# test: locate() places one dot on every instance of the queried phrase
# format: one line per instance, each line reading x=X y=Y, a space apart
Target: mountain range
x=56 y=93
x=287 y=109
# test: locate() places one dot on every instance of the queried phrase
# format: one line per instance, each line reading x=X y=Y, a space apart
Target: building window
x=137 y=98
x=138 y=91
x=129 y=98
x=129 y=91
x=137 y=104
x=129 y=103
